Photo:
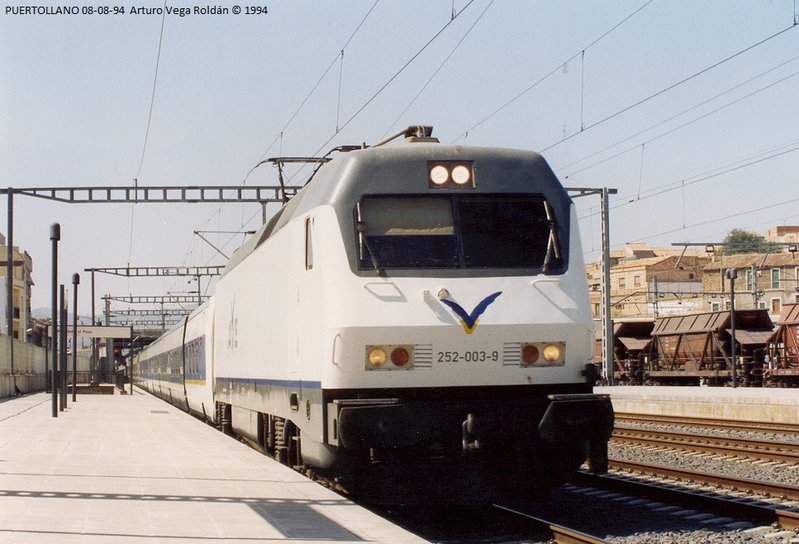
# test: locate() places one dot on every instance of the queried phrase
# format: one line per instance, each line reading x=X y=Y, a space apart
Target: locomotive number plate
x=471 y=356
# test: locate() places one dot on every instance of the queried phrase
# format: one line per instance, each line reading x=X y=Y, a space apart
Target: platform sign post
x=731 y=275
x=95 y=347
x=607 y=320
x=55 y=236
x=75 y=282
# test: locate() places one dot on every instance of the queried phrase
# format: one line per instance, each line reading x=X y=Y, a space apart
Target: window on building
x=750 y=280
x=775 y=278
x=776 y=306
x=637 y=281
x=622 y=282
x=715 y=306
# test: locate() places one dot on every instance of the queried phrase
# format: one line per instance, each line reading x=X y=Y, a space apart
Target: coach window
x=309 y=243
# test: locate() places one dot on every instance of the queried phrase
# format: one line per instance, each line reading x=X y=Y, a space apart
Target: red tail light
x=400 y=356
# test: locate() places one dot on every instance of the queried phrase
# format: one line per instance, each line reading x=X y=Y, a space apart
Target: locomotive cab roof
x=405 y=168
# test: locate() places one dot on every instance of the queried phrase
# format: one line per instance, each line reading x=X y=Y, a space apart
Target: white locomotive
x=417 y=313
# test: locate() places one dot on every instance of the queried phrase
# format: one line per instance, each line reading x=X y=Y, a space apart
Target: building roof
x=642 y=263
x=746 y=260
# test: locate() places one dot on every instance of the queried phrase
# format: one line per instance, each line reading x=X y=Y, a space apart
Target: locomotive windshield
x=457 y=231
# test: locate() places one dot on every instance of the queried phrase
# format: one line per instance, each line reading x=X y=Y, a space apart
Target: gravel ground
x=772 y=471
x=783 y=473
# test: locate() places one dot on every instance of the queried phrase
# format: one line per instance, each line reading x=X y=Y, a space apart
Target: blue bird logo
x=469 y=321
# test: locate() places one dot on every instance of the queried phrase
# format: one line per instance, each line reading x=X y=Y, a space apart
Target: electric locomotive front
x=460 y=335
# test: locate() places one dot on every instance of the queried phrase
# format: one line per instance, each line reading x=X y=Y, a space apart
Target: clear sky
x=688 y=108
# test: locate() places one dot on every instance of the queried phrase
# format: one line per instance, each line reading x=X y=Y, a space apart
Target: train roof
x=750 y=320
x=790 y=314
x=342 y=180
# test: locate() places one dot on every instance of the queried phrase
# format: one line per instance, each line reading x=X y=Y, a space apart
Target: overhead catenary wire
x=279 y=137
x=553 y=71
x=668 y=188
x=669 y=88
x=440 y=67
x=339 y=54
x=395 y=76
x=717 y=219
x=385 y=85
x=340 y=80
x=677 y=115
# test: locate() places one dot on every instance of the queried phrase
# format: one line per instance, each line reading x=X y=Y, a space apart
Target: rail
x=791 y=429
x=758 y=449
x=774 y=489
x=560 y=534
x=759 y=513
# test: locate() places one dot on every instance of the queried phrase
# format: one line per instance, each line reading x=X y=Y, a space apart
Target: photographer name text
x=119 y=9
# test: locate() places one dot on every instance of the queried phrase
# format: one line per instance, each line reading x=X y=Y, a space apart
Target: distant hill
x=41 y=313
x=45 y=313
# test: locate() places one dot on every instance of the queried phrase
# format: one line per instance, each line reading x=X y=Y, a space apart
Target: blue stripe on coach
x=280 y=383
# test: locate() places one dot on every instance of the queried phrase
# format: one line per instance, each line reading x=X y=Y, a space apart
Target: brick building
x=764 y=281
x=649 y=282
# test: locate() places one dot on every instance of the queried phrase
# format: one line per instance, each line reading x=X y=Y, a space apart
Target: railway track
x=788 y=430
x=739 y=447
x=768 y=489
x=622 y=509
x=751 y=510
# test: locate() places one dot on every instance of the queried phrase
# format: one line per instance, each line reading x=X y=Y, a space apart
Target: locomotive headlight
x=389 y=357
x=439 y=175
x=542 y=354
x=461 y=175
x=552 y=353
x=376 y=357
x=451 y=175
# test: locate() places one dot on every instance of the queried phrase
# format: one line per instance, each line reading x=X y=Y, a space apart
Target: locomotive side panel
x=270 y=322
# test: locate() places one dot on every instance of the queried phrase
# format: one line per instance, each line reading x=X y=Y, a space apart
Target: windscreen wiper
x=553 y=245
x=363 y=243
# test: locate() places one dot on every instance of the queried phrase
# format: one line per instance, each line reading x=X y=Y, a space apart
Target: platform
x=132 y=468
x=740 y=403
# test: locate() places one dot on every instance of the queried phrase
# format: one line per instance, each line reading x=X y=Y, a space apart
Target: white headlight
x=461 y=175
x=439 y=175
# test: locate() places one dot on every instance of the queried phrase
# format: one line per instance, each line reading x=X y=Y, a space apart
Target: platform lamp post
x=55 y=236
x=731 y=275
x=75 y=282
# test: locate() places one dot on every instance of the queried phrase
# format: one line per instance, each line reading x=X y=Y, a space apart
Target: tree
x=746 y=242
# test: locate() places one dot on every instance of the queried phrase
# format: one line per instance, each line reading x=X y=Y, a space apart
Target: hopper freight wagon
x=782 y=365
x=697 y=349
